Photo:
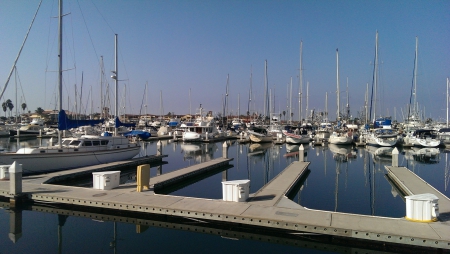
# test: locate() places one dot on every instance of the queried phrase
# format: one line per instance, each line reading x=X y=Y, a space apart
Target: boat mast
x=290 y=104
x=115 y=76
x=375 y=78
x=337 y=84
x=447 y=102
x=101 y=87
x=307 y=100
x=348 y=105
x=265 y=91
x=326 y=107
x=366 y=105
x=300 y=85
x=21 y=47
x=250 y=93
x=60 y=31
x=415 y=107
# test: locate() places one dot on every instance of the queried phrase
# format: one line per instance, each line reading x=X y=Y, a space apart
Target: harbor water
x=343 y=179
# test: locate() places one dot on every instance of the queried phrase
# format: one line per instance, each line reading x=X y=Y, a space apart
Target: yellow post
x=143 y=177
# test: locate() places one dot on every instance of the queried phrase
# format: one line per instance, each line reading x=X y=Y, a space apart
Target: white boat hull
x=260 y=139
x=47 y=162
x=340 y=140
x=296 y=139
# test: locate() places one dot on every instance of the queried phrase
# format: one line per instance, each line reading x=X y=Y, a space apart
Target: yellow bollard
x=143 y=177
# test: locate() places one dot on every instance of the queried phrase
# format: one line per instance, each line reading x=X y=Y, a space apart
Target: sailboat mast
x=101 y=87
x=116 y=81
x=447 y=102
x=416 y=108
x=290 y=104
x=307 y=99
x=375 y=79
x=265 y=90
x=60 y=64
x=337 y=84
x=326 y=107
x=348 y=105
x=367 y=104
x=300 y=85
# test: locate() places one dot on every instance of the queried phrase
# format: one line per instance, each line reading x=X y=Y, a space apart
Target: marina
x=271 y=207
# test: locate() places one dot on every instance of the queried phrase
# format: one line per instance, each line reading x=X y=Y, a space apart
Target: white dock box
x=422 y=207
x=106 y=180
x=4 y=172
x=236 y=191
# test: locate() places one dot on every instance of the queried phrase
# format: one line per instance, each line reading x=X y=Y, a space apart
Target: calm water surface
x=343 y=179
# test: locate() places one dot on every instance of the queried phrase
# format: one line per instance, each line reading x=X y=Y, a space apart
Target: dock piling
x=301 y=153
x=225 y=150
x=395 y=157
x=158 y=148
x=15 y=181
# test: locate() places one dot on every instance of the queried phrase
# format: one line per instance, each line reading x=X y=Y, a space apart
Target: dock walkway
x=411 y=184
x=268 y=208
x=272 y=193
x=169 y=178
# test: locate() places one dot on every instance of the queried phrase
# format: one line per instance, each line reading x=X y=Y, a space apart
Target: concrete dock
x=268 y=208
x=411 y=184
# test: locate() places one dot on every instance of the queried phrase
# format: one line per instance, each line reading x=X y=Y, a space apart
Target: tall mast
x=337 y=84
x=326 y=107
x=265 y=90
x=375 y=78
x=307 y=99
x=116 y=84
x=447 y=101
x=300 y=85
x=348 y=105
x=101 y=87
x=416 y=108
x=60 y=63
x=250 y=92
x=366 y=104
x=290 y=104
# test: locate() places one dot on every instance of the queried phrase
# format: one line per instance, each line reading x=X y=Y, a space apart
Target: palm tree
x=10 y=105
x=4 y=106
x=39 y=111
x=24 y=106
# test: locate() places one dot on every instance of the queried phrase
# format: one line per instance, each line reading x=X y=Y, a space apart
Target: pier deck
x=271 y=193
x=267 y=208
x=411 y=184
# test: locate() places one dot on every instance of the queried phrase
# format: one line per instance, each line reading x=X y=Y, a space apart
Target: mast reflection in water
x=341 y=178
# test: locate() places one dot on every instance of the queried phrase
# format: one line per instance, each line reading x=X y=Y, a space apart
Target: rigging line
x=20 y=51
x=90 y=37
x=103 y=17
x=412 y=87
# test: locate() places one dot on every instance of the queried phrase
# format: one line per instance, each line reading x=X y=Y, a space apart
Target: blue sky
x=177 y=46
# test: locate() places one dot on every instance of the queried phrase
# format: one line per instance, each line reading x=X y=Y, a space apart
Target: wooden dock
x=268 y=208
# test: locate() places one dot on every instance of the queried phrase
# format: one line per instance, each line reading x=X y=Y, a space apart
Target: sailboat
x=68 y=153
x=417 y=135
x=339 y=136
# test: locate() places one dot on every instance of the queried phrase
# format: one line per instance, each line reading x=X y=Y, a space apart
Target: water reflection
x=422 y=155
x=199 y=152
x=79 y=231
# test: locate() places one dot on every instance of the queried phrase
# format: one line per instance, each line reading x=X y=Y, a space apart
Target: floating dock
x=268 y=208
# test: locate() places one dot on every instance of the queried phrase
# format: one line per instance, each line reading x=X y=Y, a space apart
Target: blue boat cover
x=64 y=123
x=136 y=133
x=118 y=123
